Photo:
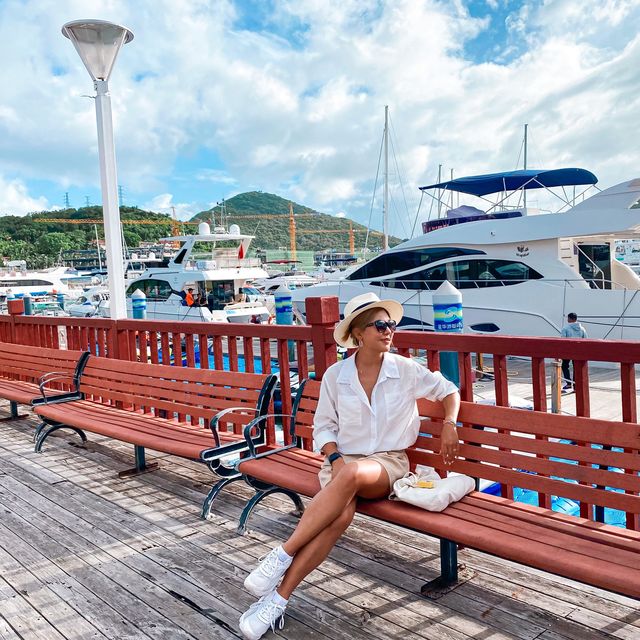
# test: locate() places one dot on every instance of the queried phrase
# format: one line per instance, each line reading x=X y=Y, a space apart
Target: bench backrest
x=29 y=364
x=552 y=454
x=303 y=410
x=178 y=393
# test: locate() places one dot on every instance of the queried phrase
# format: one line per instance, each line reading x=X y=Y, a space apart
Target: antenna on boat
x=526 y=126
x=95 y=228
x=439 y=191
x=385 y=203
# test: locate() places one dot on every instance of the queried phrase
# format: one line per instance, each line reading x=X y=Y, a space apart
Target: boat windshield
x=399 y=261
x=466 y=274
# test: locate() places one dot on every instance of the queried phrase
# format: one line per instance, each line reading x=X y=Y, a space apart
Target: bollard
x=284 y=312
x=139 y=305
x=447 y=317
x=60 y=299
x=28 y=305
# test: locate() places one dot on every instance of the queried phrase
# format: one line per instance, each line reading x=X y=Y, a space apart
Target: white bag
x=444 y=491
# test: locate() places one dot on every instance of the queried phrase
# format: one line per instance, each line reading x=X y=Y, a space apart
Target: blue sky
x=217 y=97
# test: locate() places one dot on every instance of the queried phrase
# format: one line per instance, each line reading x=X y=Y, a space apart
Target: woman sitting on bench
x=366 y=418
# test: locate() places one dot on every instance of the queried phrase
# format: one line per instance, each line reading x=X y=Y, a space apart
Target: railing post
x=322 y=314
x=15 y=308
x=556 y=386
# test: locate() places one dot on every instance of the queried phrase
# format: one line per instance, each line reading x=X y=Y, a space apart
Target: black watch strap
x=332 y=457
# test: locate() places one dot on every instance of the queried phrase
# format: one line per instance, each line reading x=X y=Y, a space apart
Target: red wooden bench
x=192 y=413
x=28 y=374
x=518 y=449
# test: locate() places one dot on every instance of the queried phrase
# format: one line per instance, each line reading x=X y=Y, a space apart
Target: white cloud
x=341 y=214
x=299 y=110
x=15 y=199
x=163 y=203
x=215 y=175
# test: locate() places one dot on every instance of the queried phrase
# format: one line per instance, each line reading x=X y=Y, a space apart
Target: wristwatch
x=332 y=457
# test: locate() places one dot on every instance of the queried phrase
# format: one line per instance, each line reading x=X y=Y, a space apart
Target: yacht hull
x=534 y=308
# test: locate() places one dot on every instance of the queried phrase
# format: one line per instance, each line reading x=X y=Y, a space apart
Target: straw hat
x=359 y=305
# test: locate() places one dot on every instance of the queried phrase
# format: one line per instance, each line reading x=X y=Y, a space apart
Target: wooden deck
x=86 y=555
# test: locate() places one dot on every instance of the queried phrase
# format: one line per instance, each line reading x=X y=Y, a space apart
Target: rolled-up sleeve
x=325 y=421
x=432 y=385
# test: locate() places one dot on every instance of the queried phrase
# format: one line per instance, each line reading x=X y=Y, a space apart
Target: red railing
x=300 y=350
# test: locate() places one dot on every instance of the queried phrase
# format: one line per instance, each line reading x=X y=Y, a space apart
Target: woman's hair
x=361 y=321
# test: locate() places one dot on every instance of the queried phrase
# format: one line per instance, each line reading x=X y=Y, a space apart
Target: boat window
x=467 y=274
x=180 y=257
x=396 y=262
x=218 y=293
x=24 y=282
x=155 y=290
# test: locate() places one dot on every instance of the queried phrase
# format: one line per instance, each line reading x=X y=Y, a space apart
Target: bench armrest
x=213 y=423
x=257 y=424
x=67 y=396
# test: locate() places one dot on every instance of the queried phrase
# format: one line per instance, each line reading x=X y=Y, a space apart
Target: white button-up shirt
x=390 y=421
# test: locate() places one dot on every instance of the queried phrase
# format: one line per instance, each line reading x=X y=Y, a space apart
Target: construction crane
x=176 y=224
x=100 y=221
x=292 y=232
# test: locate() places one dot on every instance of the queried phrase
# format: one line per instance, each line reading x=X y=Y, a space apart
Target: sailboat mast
x=526 y=126
x=385 y=204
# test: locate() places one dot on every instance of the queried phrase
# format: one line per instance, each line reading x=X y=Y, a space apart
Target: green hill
x=258 y=213
x=39 y=237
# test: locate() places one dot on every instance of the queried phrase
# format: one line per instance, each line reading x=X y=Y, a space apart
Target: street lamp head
x=97 y=43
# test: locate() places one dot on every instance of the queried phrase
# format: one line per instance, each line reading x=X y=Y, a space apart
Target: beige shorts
x=395 y=463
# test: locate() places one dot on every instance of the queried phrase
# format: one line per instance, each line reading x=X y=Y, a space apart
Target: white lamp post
x=98 y=43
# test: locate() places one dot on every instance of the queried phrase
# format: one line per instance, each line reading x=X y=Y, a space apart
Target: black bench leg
x=451 y=576
x=38 y=431
x=45 y=430
x=213 y=493
x=263 y=493
x=14 y=415
x=141 y=464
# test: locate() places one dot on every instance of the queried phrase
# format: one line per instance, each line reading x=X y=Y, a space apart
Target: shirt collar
x=348 y=370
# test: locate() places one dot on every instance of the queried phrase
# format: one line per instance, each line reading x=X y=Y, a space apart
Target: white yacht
x=288 y=279
x=519 y=273
x=211 y=267
x=87 y=304
x=16 y=280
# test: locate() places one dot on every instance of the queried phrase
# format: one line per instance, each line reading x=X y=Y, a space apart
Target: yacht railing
x=432 y=285
x=222 y=263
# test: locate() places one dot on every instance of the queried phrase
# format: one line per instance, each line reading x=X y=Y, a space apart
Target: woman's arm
x=449 y=435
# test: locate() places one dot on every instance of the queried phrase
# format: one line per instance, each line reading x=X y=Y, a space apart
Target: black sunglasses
x=382 y=325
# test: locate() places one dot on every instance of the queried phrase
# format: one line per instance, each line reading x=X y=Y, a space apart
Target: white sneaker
x=267 y=575
x=260 y=617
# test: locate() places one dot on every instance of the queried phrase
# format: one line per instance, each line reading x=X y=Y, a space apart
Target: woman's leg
x=314 y=553
x=365 y=478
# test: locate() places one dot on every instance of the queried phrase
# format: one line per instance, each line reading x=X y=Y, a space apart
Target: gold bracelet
x=453 y=422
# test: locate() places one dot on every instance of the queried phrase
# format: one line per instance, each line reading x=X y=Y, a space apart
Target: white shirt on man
x=390 y=422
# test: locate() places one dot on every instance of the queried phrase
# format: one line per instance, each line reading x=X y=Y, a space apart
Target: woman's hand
x=336 y=466
x=449 y=442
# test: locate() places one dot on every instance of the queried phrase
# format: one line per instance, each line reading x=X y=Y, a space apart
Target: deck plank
x=143 y=536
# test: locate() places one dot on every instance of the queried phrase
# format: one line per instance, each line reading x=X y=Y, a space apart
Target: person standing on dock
x=366 y=417
x=573 y=329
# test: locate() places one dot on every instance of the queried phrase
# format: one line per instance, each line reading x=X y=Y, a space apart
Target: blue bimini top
x=514 y=180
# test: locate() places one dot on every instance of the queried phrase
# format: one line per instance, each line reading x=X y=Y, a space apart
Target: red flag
x=240 y=252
